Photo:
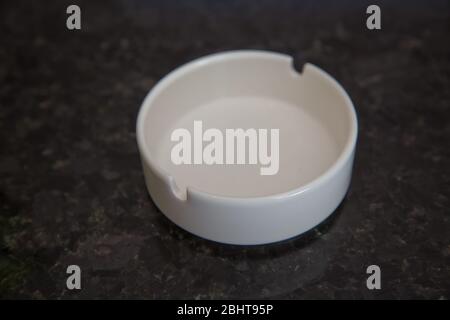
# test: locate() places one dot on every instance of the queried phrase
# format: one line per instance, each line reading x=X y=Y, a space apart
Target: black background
x=71 y=184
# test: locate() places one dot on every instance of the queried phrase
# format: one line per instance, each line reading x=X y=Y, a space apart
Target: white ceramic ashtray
x=241 y=148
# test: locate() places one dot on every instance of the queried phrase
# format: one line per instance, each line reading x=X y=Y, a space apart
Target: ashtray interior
x=250 y=91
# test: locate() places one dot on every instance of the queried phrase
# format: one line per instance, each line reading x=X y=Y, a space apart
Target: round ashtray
x=241 y=148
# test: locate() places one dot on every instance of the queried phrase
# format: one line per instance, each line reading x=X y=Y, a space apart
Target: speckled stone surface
x=71 y=185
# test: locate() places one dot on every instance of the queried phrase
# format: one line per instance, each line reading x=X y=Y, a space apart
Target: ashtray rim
x=166 y=81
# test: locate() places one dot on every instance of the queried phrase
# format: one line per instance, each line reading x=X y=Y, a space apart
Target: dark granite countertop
x=71 y=184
